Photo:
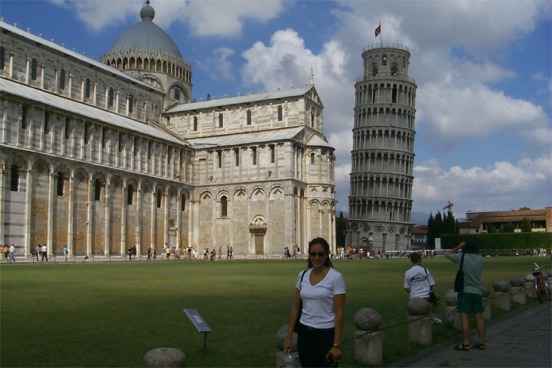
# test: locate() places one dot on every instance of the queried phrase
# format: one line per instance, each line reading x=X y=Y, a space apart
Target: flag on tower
x=378 y=30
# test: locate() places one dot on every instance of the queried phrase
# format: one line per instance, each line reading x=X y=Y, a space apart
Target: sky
x=482 y=68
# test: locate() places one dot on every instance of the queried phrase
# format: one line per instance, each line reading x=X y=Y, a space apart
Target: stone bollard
x=502 y=296
x=164 y=357
x=452 y=317
x=280 y=338
x=368 y=340
x=485 y=292
x=419 y=323
x=517 y=291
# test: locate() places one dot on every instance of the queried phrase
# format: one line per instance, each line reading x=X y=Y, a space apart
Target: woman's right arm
x=288 y=342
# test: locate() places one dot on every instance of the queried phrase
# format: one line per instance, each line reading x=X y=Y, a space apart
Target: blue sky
x=483 y=71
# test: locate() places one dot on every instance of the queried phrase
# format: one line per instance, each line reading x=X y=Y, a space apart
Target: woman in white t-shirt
x=321 y=289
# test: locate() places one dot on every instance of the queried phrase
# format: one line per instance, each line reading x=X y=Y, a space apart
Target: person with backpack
x=470 y=299
x=418 y=283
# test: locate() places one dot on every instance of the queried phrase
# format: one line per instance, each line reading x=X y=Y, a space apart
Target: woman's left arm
x=339 y=310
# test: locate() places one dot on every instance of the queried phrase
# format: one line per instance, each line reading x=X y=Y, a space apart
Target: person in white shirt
x=44 y=253
x=320 y=297
x=12 y=254
x=418 y=282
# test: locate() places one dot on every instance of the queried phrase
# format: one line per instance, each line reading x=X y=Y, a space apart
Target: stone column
x=368 y=339
x=419 y=323
x=124 y=210
x=452 y=316
x=71 y=214
x=89 y=219
x=51 y=196
x=3 y=178
x=485 y=292
x=28 y=210
x=517 y=290
x=502 y=296
x=107 y=227
x=280 y=355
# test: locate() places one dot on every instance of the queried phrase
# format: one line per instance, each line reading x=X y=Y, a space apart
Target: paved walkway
x=522 y=338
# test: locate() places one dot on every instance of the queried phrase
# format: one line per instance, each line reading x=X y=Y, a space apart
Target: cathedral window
x=374 y=70
x=87 y=88
x=394 y=69
x=110 y=96
x=394 y=94
x=237 y=156
x=254 y=155
x=312 y=119
x=177 y=94
x=280 y=113
x=130 y=104
x=221 y=120
x=67 y=126
x=159 y=198
x=104 y=138
x=219 y=158
x=183 y=203
x=24 y=117
x=86 y=129
x=97 y=190
x=14 y=182
x=121 y=142
x=223 y=206
x=62 y=79
x=195 y=123
x=384 y=60
x=34 y=66
x=46 y=121
x=312 y=157
x=248 y=117
x=60 y=184
x=2 y=57
x=130 y=195
x=272 y=153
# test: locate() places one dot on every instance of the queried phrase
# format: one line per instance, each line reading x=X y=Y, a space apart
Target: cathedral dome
x=146 y=37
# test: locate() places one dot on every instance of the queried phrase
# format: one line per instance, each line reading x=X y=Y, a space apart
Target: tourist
x=44 y=252
x=418 y=282
x=320 y=293
x=6 y=252
x=470 y=299
x=12 y=254
x=66 y=252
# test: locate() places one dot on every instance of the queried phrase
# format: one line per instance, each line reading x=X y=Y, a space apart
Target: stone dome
x=146 y=37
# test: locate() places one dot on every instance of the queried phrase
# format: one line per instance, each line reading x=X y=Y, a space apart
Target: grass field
x=110 y=315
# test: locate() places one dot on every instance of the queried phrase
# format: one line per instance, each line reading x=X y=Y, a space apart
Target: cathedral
x=101 y=156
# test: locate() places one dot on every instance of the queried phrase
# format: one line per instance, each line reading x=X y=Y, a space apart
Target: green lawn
x=110 y=315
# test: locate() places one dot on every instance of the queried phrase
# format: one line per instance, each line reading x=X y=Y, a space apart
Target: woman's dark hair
x=326 y=246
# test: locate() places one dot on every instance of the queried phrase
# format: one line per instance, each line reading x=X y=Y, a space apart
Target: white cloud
x=217 y=65
x=501 y=186
x=224 y=18
x=458 y=113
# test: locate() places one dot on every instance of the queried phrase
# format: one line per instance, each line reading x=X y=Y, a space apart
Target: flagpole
x=381 y=35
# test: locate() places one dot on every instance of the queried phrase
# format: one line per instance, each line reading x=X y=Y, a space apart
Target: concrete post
x=517 y=291
x=452 y=316
x=419 y=323
x=368 y=340
x=280 y=337
x=502 y=296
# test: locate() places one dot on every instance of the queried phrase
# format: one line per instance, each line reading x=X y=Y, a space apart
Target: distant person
x=37 y=251
x=418 y=282
x=6 y=252
x=44 y=253
x=65 y=253
x=12 y=254
x=470 y=299
x=321 y=289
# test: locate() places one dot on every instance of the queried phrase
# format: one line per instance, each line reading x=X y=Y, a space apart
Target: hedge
x=504 y=241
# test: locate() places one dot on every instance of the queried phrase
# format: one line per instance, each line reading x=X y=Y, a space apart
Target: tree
x=340 y=230
x=526 y=226
x=508 y=228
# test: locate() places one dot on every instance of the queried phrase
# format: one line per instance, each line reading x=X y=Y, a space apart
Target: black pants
x=313 y=344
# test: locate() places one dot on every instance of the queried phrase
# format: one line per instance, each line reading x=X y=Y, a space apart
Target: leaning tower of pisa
x=380 y=200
